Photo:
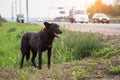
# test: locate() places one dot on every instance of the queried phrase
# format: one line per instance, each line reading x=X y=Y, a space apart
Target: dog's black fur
x=39 y=42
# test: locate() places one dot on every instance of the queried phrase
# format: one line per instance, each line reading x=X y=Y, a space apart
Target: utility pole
x=12 y=11
x=20 y=7
x=16 y=8
x=27 y=10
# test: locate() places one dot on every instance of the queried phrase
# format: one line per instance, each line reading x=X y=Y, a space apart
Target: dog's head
x=53 y=29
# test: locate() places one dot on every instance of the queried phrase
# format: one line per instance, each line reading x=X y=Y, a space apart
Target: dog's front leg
x=49 y=57
x=40 y=59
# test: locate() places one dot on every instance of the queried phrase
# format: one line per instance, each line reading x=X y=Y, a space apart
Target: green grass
x=83 y=52
x=10 y=38
x=70 y=46
x=114 y=69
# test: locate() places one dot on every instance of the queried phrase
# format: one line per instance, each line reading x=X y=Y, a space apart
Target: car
x=40 y=20
x=100 y=18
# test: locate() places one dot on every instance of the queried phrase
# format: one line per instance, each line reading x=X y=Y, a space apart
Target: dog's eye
x=57 y=26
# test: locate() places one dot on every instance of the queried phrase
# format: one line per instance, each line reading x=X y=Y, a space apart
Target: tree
x=2 y=20
x=116 y=8
x=117 y=2
x=98 y=6
x=91 y=10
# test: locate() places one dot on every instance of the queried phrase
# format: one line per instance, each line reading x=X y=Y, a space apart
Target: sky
x=41 y=8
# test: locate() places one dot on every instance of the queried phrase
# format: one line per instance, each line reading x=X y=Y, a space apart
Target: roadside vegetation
x=76 y=56
x=113 y=10
x=1 y=20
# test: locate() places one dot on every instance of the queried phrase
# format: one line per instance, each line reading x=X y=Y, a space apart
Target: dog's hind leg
x=25 y=52
x=21 y=64
x=34 y=54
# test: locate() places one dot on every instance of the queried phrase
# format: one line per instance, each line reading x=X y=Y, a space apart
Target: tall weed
x=76 y=45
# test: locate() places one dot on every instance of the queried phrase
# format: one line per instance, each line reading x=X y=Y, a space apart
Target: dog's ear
x=47 y=25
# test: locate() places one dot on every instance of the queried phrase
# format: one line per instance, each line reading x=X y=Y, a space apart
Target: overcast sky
x=40 y=8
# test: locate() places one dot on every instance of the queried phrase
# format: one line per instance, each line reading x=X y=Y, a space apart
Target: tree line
x=100 y=7
x=2 y=20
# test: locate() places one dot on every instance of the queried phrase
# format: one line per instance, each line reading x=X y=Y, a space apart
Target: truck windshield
x=80 y=12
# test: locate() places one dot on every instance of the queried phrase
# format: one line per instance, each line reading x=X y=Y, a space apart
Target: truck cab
x=20 y=18
x=78 y=15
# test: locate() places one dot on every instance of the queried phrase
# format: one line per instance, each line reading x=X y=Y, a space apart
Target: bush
x=13 y=29
x=79 y=75
x=107 y=51
x=75 y=45
x=86 y=44
x=115 y=70
x=2 y=20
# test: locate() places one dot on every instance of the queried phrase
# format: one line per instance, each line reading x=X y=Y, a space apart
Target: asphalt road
x=108 y=29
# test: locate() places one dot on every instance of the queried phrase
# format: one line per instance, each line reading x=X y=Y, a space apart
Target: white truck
x=20 y=18
x=78 y=14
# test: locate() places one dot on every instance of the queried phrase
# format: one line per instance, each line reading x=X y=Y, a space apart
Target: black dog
x=39 y=42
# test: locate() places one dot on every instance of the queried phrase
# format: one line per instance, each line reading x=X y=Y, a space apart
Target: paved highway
x=108 y=29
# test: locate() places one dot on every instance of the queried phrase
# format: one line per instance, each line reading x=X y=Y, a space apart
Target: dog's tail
x=25 y=46
x=25 y=51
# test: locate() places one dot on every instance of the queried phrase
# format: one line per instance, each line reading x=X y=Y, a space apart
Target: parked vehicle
x=100 y=18
x=78 y=15
x=20 y=18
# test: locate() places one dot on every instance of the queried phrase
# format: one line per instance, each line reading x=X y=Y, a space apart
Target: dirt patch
x=95 y=70
x=112 y=39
